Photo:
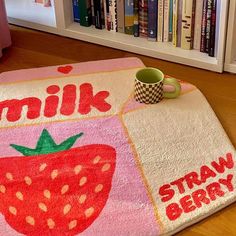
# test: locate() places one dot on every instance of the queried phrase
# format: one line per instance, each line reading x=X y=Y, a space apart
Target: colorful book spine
x=198 y=23
x=166 y=20
x=171 y=20
x=160 y=21
x=203 y=27
x=152 y=20
x=218 y=12
x=213 y=29
x=113 y=14
x=129 y=17
x=98 y=13
x=143 y=18
x=208 y=25
x=187 y=24
x=136 y=23
x=107 y=18
x=76 y=10
x=179 y=20
x=120 y=16
x=175 y=23
x=85 y=12
x=93 y=13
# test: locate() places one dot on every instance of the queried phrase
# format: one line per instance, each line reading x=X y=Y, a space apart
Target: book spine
x=175 y=22
x=107 y=17
x=85 y=13
x=136 y=23
x=171 y=20
x=213 y=29
x=129 y=17
x=218 y=10
x=92 y=11
x=187 y=24
x=120 y=16
x=198 y=22
x=152 y=20
x=208 y=25
x=98 y=14
x=143 y=18
x=179 y=20
x=166 y=20
x=76 y=10
x=160 y=21
x=113 y=15
x=203 y=27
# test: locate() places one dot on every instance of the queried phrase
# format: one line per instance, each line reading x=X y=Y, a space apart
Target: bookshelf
x=230 y=56
x=65 y=26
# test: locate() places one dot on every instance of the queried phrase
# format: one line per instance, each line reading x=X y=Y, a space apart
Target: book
x=175 y=22
x=203 y=27
x=92 y=12
x=211 y=51
x=120 y=16
x=129 y=17
x=171 y=20
x=217 y=29
x=85 y=12
x=160 y=20
x=152 y=20
x=198 y=23
x=188 y=11
x=208 y=25
x=143 y=18
x=107 y=19
x=166 y=20
x=113 y=14
x=98 y=14
x=136 y=23
x=179 y=24
x=75 y=4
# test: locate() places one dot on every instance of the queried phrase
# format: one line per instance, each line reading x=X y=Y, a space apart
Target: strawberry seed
x=20 y=196
x=106 y=167
x=82 y=198
x=96 y=159
x=98 y=188
x=77 y=169
x=42 y=207
x=2 y=189
x=51 y=223
x=64 y=189
x=28 y=180
x=66 y=209
x=47 y=194
x=9 y=176
x=72 y=224
x=42 y=167
x=82 y=181
x=89 y=212
x=30 y=220
x=54 y=174
x=13 y=210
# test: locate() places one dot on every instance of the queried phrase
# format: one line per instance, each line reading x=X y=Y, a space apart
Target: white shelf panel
x=28 y=10
x=231 y=67
x=142 y=46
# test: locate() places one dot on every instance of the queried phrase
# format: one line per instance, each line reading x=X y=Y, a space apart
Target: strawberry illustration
x=55 y=189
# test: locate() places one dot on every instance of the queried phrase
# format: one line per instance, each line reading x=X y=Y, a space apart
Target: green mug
x=149 y=86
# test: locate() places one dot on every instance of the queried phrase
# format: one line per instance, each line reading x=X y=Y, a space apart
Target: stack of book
x=189 y=24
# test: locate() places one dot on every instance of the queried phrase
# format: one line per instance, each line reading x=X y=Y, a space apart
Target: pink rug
x=80 y=157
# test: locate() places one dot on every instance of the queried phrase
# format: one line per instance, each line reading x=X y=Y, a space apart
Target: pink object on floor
x=5 y=39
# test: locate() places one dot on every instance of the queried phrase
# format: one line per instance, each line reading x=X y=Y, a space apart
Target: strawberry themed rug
x=78 y=156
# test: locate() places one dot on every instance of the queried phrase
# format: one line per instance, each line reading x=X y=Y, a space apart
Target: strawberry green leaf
x=46 y=145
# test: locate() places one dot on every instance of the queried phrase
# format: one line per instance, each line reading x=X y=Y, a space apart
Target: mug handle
x=173 y=82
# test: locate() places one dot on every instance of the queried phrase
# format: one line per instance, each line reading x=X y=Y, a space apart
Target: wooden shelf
x=66 y=27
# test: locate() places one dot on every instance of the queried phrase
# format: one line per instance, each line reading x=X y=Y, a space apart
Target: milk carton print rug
x=78 y=156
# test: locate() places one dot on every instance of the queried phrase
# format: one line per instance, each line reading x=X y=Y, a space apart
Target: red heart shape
x=65 y=69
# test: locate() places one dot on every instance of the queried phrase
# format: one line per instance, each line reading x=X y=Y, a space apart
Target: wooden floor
x=37 y=49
